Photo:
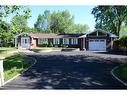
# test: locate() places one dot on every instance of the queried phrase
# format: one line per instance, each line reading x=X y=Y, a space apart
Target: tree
x=61 y=22
x=7 y=31
x=110 y=18
x=56 y=22
x=43 y=22
x=7 y=10
x=5 y=35
x=79 y=28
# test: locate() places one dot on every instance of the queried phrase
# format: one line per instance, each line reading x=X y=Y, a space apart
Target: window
x=26 y=41
x=43 y=41
x=74 y=41
x=56 y=41
x=65 y=41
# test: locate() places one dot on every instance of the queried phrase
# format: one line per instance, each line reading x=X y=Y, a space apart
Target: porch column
x=1 y=72
x=84 y=44
x=111 y=43
x=16 y=42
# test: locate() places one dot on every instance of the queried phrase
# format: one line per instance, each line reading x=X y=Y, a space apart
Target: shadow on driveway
x=67 y=72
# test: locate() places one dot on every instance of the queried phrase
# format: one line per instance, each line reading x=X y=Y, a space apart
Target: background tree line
x=58 y=22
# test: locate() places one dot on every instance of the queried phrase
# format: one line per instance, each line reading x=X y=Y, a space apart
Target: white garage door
x=97 y=44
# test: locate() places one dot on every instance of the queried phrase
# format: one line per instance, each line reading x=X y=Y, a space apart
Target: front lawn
x=7 y=48
x=2 y=49
x=121 y=72
x=15 y=64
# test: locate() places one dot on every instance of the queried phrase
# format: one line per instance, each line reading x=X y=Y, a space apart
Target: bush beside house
x=121 y=43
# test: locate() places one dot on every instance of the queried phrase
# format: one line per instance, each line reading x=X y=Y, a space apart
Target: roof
x=51 y=35
x=112 y=35
x=100 y=30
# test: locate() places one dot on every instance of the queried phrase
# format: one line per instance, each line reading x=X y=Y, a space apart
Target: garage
x=97 y=44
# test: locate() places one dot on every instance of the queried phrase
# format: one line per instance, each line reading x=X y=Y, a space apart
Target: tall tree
x=56 y=22
x=19 y=22
x=43 y=21
x=7 y=10
x=79 y=28
x=110 y=18
x=6 y=31
x=61 y=22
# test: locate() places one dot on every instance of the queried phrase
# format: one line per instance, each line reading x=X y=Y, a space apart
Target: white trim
x=66 y=41
x=42 y=40
x=56 y=41
x=74 y=41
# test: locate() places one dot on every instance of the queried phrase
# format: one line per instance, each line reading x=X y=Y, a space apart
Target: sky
x=82 y=14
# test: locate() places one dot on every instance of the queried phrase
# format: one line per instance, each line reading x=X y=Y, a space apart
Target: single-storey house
x=97 y=40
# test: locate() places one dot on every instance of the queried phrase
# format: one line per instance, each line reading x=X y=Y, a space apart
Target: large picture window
x=65 y=41
x=56 y=41
x=74 y=41
x=43 y=41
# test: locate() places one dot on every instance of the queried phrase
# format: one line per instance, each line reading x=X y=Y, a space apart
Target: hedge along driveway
x=15 y=64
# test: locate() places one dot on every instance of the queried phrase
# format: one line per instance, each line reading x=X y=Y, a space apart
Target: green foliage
x=61 y=22
x=6 y=10
x=50 y=45
x=18 y=24
x=121 y=72
x=122 y=42
x=43 y=22
x=63 y=45
x=58 y=22
x=79 y=28
x=110 y=18
x=5 y=35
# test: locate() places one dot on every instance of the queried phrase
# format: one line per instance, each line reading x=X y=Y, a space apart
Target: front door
x=25 y=42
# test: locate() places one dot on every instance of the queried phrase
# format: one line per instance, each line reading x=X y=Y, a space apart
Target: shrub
x=122 y=42
x=50 y=45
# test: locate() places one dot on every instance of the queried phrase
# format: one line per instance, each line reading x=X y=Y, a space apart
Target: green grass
x=7 y=48
x=3 y=49
x=121 y=72
x=5 y=54
x=37 y=49
x=15 y=64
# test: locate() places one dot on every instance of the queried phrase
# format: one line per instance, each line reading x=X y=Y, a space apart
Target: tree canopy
x=17 y=25
x=58 y=22
x=110 y=18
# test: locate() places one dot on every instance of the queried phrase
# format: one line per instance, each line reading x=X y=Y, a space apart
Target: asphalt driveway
x=68 y=70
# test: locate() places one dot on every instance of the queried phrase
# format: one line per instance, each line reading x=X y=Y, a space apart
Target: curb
x=35 y=61
x=116 y=76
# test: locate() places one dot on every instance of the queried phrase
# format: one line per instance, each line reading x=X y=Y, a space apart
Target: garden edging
x=116 y=76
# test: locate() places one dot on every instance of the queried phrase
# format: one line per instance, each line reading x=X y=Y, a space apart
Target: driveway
x=69 y=70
